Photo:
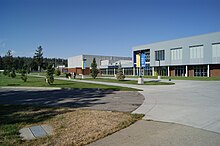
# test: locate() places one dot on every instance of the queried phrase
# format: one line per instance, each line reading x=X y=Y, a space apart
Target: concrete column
x=139 y=71
x=186 y=75
x=143 y=71
x=168 y=69
x=152 y=71
x=133 y=71
x=123 y=70
x=208 y=71
x=106 y=71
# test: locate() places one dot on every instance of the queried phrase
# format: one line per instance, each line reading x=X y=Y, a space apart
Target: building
x=190 y=56
x=106 y=64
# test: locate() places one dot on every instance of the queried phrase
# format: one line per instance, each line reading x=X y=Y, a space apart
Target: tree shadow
x=32 y=106
x=41 y=105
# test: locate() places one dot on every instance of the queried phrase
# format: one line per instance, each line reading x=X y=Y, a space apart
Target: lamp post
x=159 y=70
x=83 y=67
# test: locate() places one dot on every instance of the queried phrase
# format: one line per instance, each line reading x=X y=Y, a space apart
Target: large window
x=216 y=50
x=147 y=55
x=176 y=54
x=200 y=71
x=159 y=55
x=196 y=52
x=180 y=71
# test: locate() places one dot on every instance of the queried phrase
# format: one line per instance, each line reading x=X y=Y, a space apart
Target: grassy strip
x=71 y=126
x=40 y=82
x=181 y=78
x=129 y=81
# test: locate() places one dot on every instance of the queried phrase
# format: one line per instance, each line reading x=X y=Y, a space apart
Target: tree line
x=35 y=63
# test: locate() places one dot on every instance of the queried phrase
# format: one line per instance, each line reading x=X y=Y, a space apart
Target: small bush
x=68 y=75
x=13 y=74
x=57 y=72
x=120 y=76
x=6 y=72
x=49 y=75
x=23 y=75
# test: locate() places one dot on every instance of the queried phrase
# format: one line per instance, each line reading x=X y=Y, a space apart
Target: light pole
x=159 y=70
x=83 y=67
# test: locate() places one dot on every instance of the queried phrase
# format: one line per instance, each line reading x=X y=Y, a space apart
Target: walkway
x=150 y=133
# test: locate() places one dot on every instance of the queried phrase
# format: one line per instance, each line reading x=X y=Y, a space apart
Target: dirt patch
x=80 y=127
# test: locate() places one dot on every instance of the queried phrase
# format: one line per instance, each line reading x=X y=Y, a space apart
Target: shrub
x=13 y=74
x=23 y=75
x=57 y=72
x=120 y=76
x=49 y=75
x=68 y=75
x=6 y=72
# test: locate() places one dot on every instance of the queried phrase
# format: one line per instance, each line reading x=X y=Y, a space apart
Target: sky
x=66 y=28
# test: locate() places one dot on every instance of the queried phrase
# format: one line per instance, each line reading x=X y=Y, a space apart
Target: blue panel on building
x=143 y=60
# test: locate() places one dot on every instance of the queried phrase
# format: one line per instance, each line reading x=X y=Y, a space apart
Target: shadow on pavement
x=64 y=98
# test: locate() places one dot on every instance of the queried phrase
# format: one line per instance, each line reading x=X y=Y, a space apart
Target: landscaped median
x=34 y=81
x=134 y=82
x=180 y=78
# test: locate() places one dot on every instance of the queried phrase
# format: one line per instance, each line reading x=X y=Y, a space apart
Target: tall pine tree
x=49 y=75
x=38 y=58
x=94 y=70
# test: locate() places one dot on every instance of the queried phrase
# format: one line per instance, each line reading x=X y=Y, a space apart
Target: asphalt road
x=124 y=101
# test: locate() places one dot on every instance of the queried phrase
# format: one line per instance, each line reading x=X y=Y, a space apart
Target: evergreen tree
x=1 y=63
x=23 y=75
x=120 y=76
x=8 y=61
x=49 y=75
x=12 y=73
x=38 y=57
x=94 y=70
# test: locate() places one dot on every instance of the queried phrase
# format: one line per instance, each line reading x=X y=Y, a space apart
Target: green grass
x=181 y=78
x=194 y=78
x=40 y=82
x=129 y=81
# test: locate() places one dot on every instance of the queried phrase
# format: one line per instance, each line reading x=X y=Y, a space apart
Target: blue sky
x=66 y=28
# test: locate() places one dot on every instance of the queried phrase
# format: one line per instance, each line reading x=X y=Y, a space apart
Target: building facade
x=190 y=56
x=106 y=64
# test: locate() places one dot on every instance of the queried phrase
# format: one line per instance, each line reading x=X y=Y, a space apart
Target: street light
x=159 y=70
x=83 y=67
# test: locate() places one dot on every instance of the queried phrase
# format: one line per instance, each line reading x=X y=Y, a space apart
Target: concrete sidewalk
x=150 y=133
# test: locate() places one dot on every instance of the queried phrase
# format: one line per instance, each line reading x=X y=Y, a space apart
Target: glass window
x=176 y=54
x=216 y=50
x=159 y=55
x=196 y=52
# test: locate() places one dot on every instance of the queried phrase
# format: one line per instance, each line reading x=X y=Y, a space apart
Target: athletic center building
x=190 y=56
x=107 y=65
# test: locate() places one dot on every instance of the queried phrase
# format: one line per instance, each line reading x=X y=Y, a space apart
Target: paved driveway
x=125 y=101
x=192 y=103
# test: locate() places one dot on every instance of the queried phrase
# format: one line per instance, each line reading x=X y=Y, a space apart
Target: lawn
x=181 y=78
x=71 y=126
x=129 y=81
x=40 y=82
